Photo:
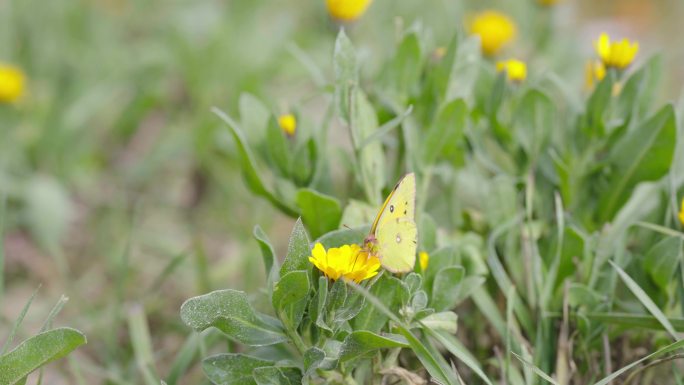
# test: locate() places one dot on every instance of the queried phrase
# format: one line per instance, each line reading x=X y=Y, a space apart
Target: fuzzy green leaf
x=644 y=154
x=289 y=297
x=229 y=311
x=38 y=351
x=445 y=287
x=232 y=369
x=298 y=250
x=321 y=213
x=360 y=343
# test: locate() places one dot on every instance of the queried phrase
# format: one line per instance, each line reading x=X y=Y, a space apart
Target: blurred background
x=123 y=191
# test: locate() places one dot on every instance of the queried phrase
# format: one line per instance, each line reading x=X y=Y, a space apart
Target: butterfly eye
x=391 y=208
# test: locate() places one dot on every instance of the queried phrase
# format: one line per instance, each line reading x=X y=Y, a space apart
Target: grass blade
x=18 y=322
x=645 y=300
x=536 y=370
x=455 y=347
x=142 y=346
x=669 y=348
x=433 y=362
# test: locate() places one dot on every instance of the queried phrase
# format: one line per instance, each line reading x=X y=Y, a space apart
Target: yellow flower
x=423 y=259
x=548 y=3
x=348 y=262
x=12 y=81
x=288 y=123
x=495 y=30
x=681 y=213
x=516 y=70
x=616 y=54
x=594 y=72
x=439 y=53
x=347 y=10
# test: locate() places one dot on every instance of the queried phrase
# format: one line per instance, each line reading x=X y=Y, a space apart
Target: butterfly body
x=393 y=235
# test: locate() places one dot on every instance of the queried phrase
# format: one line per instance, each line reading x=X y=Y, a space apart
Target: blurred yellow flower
x=681 y=213
x=495 y=30
x=348 y=262
x=424 y=260
x=439 y=53
x=288 y=123
x=12 y=81
x=616 y=54
x=594 y=72
x=548 y=3
x=347 y=10
x=516 y=70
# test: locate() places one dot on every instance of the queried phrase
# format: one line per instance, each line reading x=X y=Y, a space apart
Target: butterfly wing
x=395 y=229
x=397 y=242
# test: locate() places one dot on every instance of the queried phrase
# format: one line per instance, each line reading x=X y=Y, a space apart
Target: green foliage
x=525 y=201
x=38 y=351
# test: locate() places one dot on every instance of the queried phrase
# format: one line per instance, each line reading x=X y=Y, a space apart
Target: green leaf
x=598 y=104
x=346 y=73
x=289 y=297
x=232 y=369
x=361 y=343
x=318 y=303
x=298 y=250
x=316 y=358
x=661 y=259
x=278 y=150
x=320 y=213
x=446 y=287
x=274 y=375
x=459 y=351
x=370 y=157
x=645 y=300
x=465 y=69
x=536 y=370
x=305 y=162
x=403 y=71
x=445 y=135
x=387 y=289
x=638 y=92
x=249 y=168
x=343 y=304
x=446 y=320
x=431 y=359
x=267 y=251
x=254 y=116
x=644 y=154
x=38 y=351
x=48 y=211
x=342 y=237
x=229 y=311
x=533 y=123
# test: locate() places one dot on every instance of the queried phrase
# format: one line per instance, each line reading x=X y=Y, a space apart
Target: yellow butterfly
x=394 y=235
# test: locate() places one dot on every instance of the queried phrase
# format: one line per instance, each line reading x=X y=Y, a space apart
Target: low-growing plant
x=539 y=203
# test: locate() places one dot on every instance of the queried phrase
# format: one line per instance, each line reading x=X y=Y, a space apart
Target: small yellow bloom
x=594 y=72
x=495 y=30
x=348 y=262
x=681 y=213
x=288 y=123
x=423 y=259
x=516 y=70
x=347 y=10
x=616 y=54
x=12 y=81
x=548 y=3
x=439 y=53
